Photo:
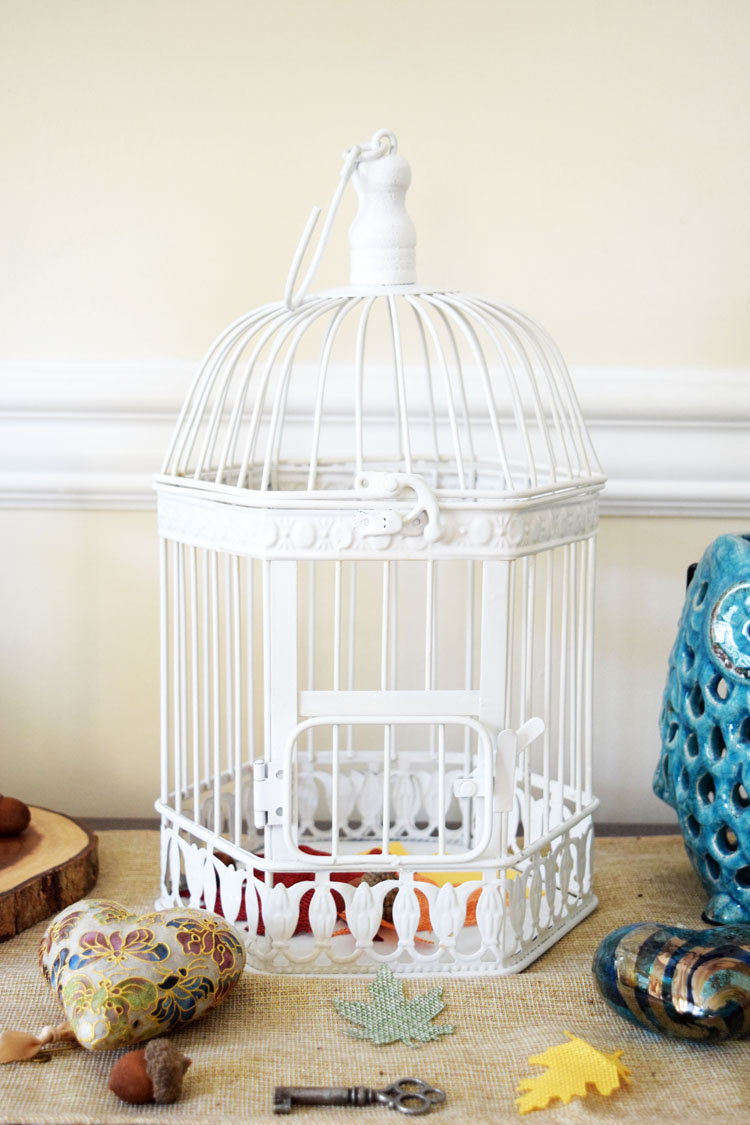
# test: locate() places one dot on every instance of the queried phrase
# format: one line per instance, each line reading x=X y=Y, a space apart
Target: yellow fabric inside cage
x=439 y=879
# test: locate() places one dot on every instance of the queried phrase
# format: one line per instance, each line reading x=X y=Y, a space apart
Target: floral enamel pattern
x=207 y=935
x=123 y=978
x=117 y=947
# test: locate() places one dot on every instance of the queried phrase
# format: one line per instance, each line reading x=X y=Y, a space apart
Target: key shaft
x=285 y=1097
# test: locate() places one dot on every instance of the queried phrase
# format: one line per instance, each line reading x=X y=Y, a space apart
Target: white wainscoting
x=90 y=435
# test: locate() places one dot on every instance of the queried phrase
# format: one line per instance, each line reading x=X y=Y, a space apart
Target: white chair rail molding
x=88 y=435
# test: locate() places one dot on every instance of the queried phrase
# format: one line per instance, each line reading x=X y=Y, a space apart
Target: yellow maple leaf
x=571 y=1066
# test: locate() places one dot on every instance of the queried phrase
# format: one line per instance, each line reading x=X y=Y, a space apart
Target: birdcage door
x=359 y=786
x=384 y=686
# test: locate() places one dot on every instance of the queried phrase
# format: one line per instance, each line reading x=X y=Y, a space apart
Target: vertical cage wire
x=210 y=675
x=211 y=723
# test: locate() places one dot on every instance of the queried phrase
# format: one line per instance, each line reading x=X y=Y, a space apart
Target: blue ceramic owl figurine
x=704 y=769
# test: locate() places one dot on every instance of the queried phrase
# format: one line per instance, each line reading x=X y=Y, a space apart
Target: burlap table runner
x=281 y=1030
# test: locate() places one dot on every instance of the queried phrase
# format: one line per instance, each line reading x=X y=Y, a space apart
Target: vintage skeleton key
x=409 y=1095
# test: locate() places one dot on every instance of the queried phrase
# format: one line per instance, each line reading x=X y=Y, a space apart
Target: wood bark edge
x=52 y=889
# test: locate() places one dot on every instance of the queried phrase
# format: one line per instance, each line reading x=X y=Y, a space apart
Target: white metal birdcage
x=377 y=519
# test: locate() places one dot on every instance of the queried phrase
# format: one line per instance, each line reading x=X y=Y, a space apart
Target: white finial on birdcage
x=382 y=236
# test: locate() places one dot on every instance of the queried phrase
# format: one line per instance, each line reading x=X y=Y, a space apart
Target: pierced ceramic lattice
x=704 y=770
x=377 y=519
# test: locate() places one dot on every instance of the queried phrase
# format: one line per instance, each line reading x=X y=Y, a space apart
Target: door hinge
x=268 y=793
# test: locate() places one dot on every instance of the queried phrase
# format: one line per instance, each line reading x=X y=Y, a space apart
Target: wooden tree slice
x=53 y=863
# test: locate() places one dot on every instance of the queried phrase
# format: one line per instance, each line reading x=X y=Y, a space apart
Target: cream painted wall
x=79 y=660
x=586 y=161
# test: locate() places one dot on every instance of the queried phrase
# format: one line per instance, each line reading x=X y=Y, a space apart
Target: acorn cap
x=165 y=1066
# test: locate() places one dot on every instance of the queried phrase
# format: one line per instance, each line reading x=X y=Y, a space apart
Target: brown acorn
x=151 y=1074
x=14 y=816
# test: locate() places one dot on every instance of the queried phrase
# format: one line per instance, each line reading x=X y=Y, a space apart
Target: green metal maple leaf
x=390 y=1017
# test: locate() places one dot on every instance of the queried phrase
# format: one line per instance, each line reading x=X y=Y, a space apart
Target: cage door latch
x=268 y=793
x=509 y=744
x=421 y=519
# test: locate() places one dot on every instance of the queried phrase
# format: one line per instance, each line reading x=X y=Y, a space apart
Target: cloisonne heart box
x=122 y=978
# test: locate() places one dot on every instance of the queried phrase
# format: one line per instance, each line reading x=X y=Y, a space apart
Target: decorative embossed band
x=467 y=531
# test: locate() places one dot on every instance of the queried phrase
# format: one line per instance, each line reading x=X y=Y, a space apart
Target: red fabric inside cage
x=288 y=879
x=291 y=878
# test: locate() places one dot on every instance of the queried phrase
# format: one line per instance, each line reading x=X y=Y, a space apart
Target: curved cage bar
x=472 y=395
x=377 y=517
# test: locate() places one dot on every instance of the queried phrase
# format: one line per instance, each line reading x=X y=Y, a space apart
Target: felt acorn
x=14 y=816
x=152 y=1074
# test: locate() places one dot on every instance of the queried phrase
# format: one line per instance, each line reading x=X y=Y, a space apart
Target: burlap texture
x=276 y=1030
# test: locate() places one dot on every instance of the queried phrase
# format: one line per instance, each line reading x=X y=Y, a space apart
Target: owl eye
x=730 y=630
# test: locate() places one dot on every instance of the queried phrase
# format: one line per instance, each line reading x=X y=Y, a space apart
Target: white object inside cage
x=377 y=519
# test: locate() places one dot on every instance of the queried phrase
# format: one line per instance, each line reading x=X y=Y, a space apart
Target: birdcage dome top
x=351 y=392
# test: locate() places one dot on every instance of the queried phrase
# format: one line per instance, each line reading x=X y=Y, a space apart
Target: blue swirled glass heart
x=692 y=984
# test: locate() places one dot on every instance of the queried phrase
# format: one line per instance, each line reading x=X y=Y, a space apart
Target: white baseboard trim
x=90 y=435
